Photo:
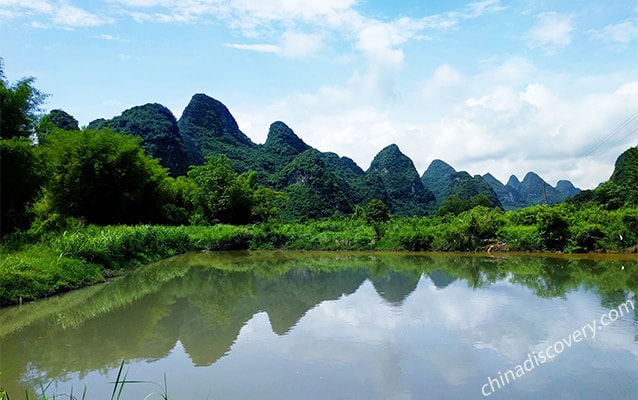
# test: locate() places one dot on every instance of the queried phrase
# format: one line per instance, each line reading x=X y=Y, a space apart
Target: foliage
x=219 y=194
x=208 y=129
x=101 y=177
x=267 y=204
x=454 y=205
x=552 y=227
x=56 y=119
x=376 y=211
x=520 y=237
x=20 y=105
x=401 y=188
x=21 y=174
x=311 y=189
x=157 y=127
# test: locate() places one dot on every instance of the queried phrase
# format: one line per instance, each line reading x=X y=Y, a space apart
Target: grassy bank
x=38 y=265
x=85 y=256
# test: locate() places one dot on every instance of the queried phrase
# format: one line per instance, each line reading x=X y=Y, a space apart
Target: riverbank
x=37 y=267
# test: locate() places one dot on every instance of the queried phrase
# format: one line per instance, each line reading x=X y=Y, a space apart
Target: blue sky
x=490 y=86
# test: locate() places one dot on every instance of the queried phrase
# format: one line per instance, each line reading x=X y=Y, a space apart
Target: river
x=335 y=325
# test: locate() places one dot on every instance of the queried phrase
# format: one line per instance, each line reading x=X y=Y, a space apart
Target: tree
x=56 y=119
x=219 y=194
x=20 y=179
x=19 y=169
x=266 y=204
x=454 y=205
x=101 y=177
x=20 y=105
x=553 y=227
x=376 y=211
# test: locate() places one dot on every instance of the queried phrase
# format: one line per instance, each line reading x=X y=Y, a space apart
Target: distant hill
x=209 y=129
x=438 y=179
x=443 y=180
x=625 y=175
x=567 y=188
x=281 y=147
x=622 y=187
x=396 y=181
x=534 y=190
x=318 y=184
x=59 y=119
x=508 y=196
x=530 y=191
x=312 y=189
x=157 y=126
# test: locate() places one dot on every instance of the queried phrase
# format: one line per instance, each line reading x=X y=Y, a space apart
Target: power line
x=611 y=134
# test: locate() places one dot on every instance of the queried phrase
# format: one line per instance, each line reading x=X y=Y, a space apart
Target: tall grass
x=118 y=389
x=84 y=255
x=89 y=255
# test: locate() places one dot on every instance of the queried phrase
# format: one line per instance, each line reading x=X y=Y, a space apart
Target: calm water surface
x=336 y=326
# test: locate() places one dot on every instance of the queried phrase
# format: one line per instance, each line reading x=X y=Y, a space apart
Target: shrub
x=520 y=237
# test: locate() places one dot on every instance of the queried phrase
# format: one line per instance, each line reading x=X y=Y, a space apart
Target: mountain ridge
x=207 y=128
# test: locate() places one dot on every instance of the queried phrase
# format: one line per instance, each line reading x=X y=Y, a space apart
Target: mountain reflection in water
x=349 y=325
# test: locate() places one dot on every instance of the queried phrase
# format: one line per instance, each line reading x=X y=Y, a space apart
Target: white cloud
x=260 y=48
x=552 y=32
x=480 y=8
x=300 y=45
x=292 y=45
x=509 y=118
x=59 y=13
x=445 y=80
x=70 y=16
x=623 y=33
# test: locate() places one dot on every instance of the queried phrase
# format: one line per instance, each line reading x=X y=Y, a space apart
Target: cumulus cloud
x=552 y=32
x=511 y=117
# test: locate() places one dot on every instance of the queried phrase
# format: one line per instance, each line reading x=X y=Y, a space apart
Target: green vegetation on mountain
x=534 y=190
x=620 y=190
x=566 y=188
x=438 y=178
x=531 y=191
x=458 y=190
x=312 y=190
x=281 y=147
x=402 y=188
x=57 y=180
x=208 y=129
x=508 y=196
x=348 y=175
x=59 y=119
x=157 y=127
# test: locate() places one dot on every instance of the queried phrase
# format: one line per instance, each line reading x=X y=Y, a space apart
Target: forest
x=81 y=204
